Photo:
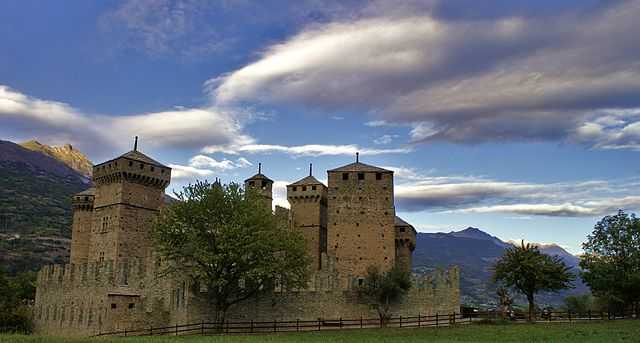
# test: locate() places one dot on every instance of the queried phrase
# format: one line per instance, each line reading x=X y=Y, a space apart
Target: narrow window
x=264 y=184
x=130 y=164
x=295 y=188
x=313 y=188
x=114 y=306
x=360 y=282
x=153 y=169
x=360 y=176
x=401 y=229
x=132 y=305
x=304 y=188
x=141 y=166
x=251 y=183
x=378 y=176
x=345 y=176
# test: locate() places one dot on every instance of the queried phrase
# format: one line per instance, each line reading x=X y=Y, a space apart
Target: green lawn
x=609 y=332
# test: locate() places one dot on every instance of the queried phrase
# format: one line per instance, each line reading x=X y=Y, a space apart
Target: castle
x=112 y=281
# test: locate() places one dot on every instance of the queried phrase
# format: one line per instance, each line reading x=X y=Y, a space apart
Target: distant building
x=112 y=281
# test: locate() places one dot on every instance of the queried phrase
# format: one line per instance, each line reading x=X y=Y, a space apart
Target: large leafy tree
x=381 y=290
x=529 y=271
x=228 y=242
x=611 y=260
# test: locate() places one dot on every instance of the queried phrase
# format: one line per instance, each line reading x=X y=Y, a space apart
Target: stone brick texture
x=113 y=282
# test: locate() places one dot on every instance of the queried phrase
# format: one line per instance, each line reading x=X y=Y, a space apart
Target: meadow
x=601 y=332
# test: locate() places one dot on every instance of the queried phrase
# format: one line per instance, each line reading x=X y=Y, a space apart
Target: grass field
x=605 y=332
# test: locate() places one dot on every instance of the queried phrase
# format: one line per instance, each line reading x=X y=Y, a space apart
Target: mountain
x=73 y=158
x=35 y=207
x=475 y=252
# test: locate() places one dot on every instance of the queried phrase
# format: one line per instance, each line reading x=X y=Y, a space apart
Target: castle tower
x=405 y=243
x=263 y=184
x=82 y=204
x=308 y=199
x=129 y=194
x=361 y=219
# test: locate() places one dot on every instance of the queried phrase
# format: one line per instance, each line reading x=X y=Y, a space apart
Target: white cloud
x=384 y=139
x=280 y=194
x=465 y=80
x=185 y=172
x=302 y=150
x=24 y=117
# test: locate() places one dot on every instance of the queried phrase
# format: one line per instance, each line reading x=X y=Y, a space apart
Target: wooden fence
x=419 y=321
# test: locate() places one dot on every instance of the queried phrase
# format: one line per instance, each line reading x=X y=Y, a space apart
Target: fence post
x=251 y=328
x=202 y=327
x=150 y=330
x=569 y=316
x=125 y=332
x=227 y=325
x=318 y=324
x=341 y=322
x=436 y=319
x=297 y=324
x=361 y=321
x=275 y=325
x=176 y=329
x=454 y=317
x=400 y=320
x=418 y=319
x=380 y=321
x=589 y=315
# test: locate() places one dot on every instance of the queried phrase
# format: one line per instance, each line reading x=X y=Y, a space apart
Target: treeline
x=17 y=293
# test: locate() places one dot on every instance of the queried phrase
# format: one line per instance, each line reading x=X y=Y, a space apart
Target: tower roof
x=400 y=222
x=360 y=167
x=309 y=180
x=88 y=192
x=259 y=176
x=138 y=156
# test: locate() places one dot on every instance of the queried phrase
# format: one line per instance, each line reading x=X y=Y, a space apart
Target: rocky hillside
x=35 y=207
x=66 y=154
x=475 y=252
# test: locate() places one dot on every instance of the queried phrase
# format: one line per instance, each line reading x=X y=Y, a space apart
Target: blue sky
x=518 y=117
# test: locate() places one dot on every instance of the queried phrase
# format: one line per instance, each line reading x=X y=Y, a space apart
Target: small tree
x=381 y=290
x=611 y=260
x=505 y=300
x=228 y=242
x=579 y=304
x=529 y=271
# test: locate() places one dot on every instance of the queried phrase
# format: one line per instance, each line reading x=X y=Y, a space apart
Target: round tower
x=263 y=184
x=82 y=204
x=405 y=244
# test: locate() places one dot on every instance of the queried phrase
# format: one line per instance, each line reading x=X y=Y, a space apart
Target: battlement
x=90 y=274
x=132 y=167
x=83 y=201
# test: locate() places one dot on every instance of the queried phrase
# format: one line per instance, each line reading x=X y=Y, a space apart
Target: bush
x=17 y=321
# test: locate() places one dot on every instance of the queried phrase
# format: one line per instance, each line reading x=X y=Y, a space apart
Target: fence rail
x=419 y=321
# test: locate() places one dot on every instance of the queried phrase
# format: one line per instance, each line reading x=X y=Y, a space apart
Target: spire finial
x=310 y=169
x=259 y=168
x=357 y=157
x=135 y=144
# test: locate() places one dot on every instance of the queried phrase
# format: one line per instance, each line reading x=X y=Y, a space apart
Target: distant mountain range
x=475 y=252
x=36 y=185
x=37 y=182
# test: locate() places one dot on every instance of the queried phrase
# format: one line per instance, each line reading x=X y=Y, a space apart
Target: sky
x=521 y=118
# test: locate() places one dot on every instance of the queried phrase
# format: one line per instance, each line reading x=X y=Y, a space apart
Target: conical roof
x=309 y=180
x=259 y=176
x=400 y=222
x=138 y=156
x=88 y=192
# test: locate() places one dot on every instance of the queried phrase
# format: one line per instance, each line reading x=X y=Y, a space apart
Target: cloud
x=384 y=139
x=465 y=80
x=185 y=172
x=467 y=194
x=280 y=194
x=302 y=150
x=24 y=117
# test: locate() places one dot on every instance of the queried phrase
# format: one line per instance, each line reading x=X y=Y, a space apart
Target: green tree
x=529 y=271
x=227 y=241
x=611 y=260
x=579 y=304
x=381 y=290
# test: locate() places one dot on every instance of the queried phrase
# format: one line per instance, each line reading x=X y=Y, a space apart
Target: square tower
x=263 y=185
x=361 y=219
x=129 y=193
x=308 y=200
